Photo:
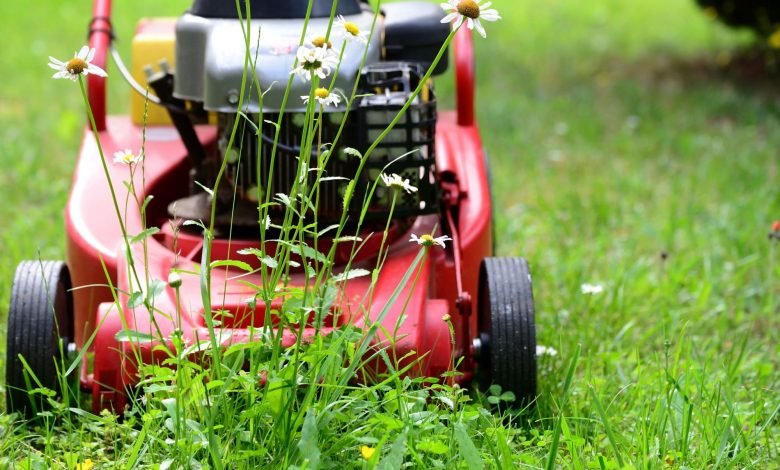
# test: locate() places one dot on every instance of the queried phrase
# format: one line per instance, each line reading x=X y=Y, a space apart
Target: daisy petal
x=96 y=70
x=449 y=17
x=489 y=15
x=479 y=28
x=458 y=22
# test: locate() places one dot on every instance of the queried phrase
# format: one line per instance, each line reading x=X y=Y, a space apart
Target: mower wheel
x=39 y=317
x=507 y=335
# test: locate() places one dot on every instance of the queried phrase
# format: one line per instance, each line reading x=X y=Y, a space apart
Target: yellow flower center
x=76 y=66
x=128 y=158
x=320 y=41
x=469 y=9
x=427 y=239
x=352 y=28
x=321 y=93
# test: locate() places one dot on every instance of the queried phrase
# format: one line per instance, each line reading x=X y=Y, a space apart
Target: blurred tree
x=761 y=15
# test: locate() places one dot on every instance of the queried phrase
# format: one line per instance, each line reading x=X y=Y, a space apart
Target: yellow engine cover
x=154 y=40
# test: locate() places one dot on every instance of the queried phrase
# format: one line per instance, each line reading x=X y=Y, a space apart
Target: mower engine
x=215 y=61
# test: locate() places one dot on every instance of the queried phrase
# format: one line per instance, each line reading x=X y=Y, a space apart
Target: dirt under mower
x=67 y=308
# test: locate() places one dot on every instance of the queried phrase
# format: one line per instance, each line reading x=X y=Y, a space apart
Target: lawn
x=634 y=145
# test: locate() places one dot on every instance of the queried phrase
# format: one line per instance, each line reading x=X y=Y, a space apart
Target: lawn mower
x=193 y=66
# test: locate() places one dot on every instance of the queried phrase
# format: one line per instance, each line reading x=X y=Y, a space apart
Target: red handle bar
x=464 y=76
x=100 y=33
x=99 y=39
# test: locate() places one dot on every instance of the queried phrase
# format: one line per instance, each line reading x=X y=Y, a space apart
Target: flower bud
x=174 y=280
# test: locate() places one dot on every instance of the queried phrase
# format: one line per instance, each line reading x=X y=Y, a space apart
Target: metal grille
x=412 y=139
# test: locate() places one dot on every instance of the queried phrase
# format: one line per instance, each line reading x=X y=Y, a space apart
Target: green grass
x=618 y=131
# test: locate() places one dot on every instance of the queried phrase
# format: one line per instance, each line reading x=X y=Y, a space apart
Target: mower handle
x=464 y=76
x=99 y=37
x=101 y=34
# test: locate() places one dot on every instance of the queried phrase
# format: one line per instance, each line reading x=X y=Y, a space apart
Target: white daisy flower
x=80 y=64
x=317 y=61
x=470 y=11
x=592 y=289
x=546 y=351
x=428 y=240
x=351 y=31
x=399 y=184
x=127 y=157
x=324 y=97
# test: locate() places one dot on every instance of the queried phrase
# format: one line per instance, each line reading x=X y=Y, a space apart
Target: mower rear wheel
x=40 y=329
x=507 y=334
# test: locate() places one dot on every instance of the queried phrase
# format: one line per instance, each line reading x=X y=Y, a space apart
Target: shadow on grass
x=753 y=71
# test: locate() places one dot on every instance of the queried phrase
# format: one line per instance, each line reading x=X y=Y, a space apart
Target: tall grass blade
x=467 y=448
x=556 y=438
x=607 y=426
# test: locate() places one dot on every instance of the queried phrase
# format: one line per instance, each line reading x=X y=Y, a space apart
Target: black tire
x=507 y=353
x=39 y=316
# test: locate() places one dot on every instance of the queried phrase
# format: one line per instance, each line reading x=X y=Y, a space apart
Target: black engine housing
x=272 y=9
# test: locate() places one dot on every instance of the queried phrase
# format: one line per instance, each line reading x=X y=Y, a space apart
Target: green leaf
x=308 y=442
x=395 y=458
x=251 y=251
x=305 y=251
x=209 y=191
x=136 y=299
x=231 y=263
x=351 y=274
x=353 y=152
x=327 y=229
x=146 y=203
x=468 y=451
x=324 y=301
x=156 y=288
x=348 y=193
x=433 y=446
x=144 y=235
x=347 y=238
x=214 y=384
x=132 y=336
x=284 y=199
x=264 y=258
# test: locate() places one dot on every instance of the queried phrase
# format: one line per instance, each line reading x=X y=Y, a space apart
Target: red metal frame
x=463 y=45
x=95 y=246
x=99 y=39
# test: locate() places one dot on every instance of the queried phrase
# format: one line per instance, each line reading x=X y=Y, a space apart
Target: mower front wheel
x=40 y=330
x=507 y=334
